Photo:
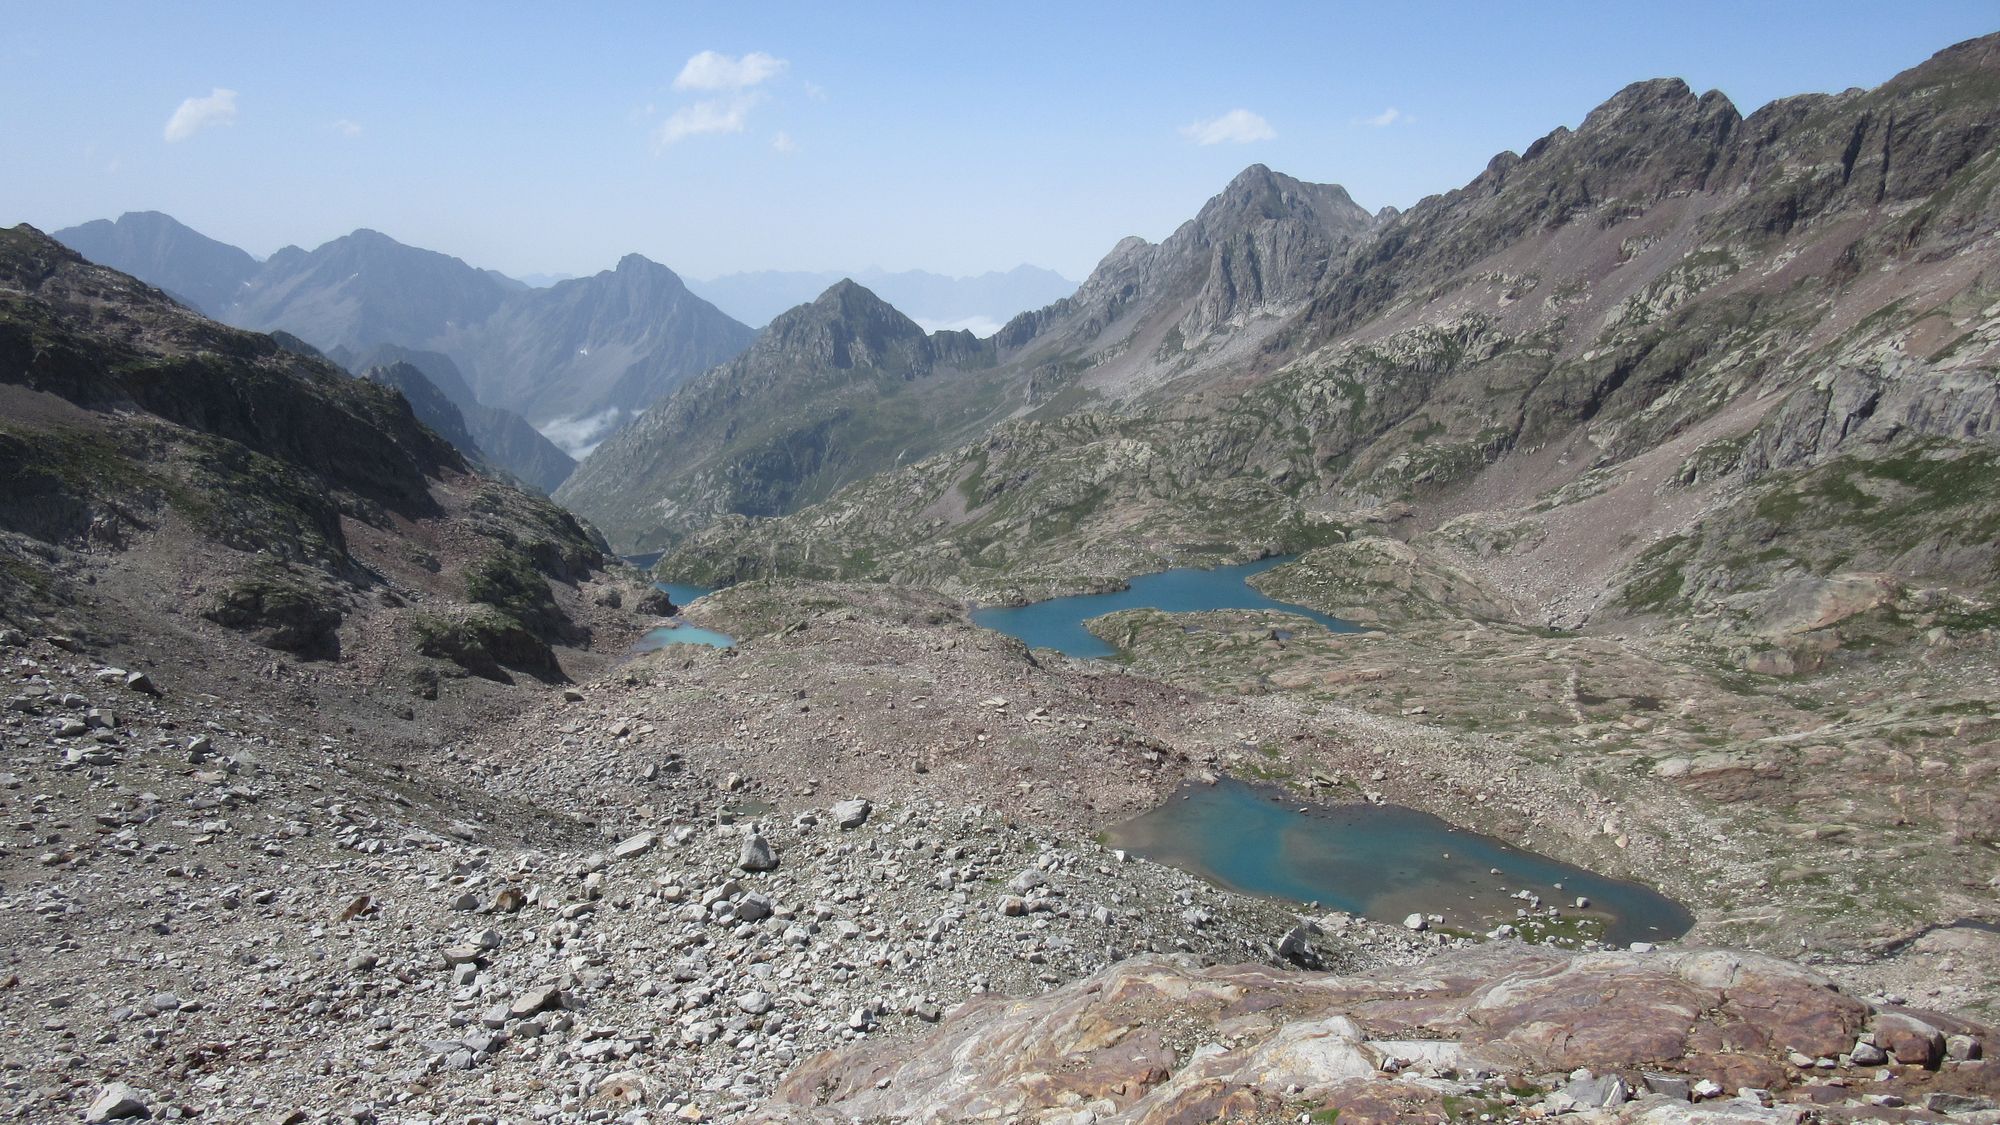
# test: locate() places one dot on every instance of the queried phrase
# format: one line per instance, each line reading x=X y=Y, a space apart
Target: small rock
x=634 y=846
x=1012 y=906
x=1674 y=1086
x=140 y=682
x=1961 y=1048
x=541 y=998
x=758 y=855
x=455 y=955
x=1416 y=922
x=117 y=1102
x=1599 y=1092
x=754 y=1003
x=1911 y=1040
x=1941 y=1102
x=851 y=814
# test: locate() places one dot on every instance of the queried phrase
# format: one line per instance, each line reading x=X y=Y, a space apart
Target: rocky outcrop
x=1506 y=1029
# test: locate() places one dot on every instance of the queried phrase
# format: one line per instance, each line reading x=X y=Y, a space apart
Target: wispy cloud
x=347 y=128
x=580 y=434
x=783 y=142
x=1386 y=118
x=195 y=114
x=1238 y=126
x=716 y=115
x=711 y=70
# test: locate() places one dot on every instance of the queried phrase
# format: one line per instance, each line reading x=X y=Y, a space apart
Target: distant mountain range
x=846 y=387
x=936 y=302
x=576 y=359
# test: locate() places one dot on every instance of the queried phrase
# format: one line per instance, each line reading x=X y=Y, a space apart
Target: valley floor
x=269 y=900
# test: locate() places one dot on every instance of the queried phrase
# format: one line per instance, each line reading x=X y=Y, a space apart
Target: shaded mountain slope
x=198 y=476
x=504 y=438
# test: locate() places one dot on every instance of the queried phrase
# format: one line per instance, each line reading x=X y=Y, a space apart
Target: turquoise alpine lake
x=681 y=593
x=678 y=632
x=1058 y=622
x=1384 y=861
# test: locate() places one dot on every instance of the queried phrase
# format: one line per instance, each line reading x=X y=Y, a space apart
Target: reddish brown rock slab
x=1158 y=1040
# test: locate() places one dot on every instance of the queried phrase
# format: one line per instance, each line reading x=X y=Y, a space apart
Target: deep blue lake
x=1383 y=861
x=1058 y=622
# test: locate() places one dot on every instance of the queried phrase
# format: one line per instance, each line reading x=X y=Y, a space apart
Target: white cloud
x=347 y=128
x=1386 y=118
x=783 y=142
x=717 y=115
x=1238 y=126
x=713 y=71
x=980 y=326
x=579 y=435
x=196 y=114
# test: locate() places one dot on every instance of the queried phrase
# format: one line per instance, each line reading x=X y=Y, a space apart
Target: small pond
x=1058 y=622
x=1383 y=861
x=677 y=631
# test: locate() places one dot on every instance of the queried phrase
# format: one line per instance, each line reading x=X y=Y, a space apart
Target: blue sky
x=943 y=136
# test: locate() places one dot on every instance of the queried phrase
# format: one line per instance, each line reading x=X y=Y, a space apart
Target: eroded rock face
x=1158 y=1040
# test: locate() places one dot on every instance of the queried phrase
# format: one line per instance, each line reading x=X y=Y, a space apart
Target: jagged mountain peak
x=1258 y=194
x=641 y=264
x=1662 y=103
x=846 y=326
x=849 y=297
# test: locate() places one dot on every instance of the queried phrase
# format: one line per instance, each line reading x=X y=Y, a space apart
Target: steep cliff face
x=1545 y=345
x=830 y=393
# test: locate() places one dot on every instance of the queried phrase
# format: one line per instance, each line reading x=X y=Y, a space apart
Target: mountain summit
x=204 y=274
x=830 y=392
